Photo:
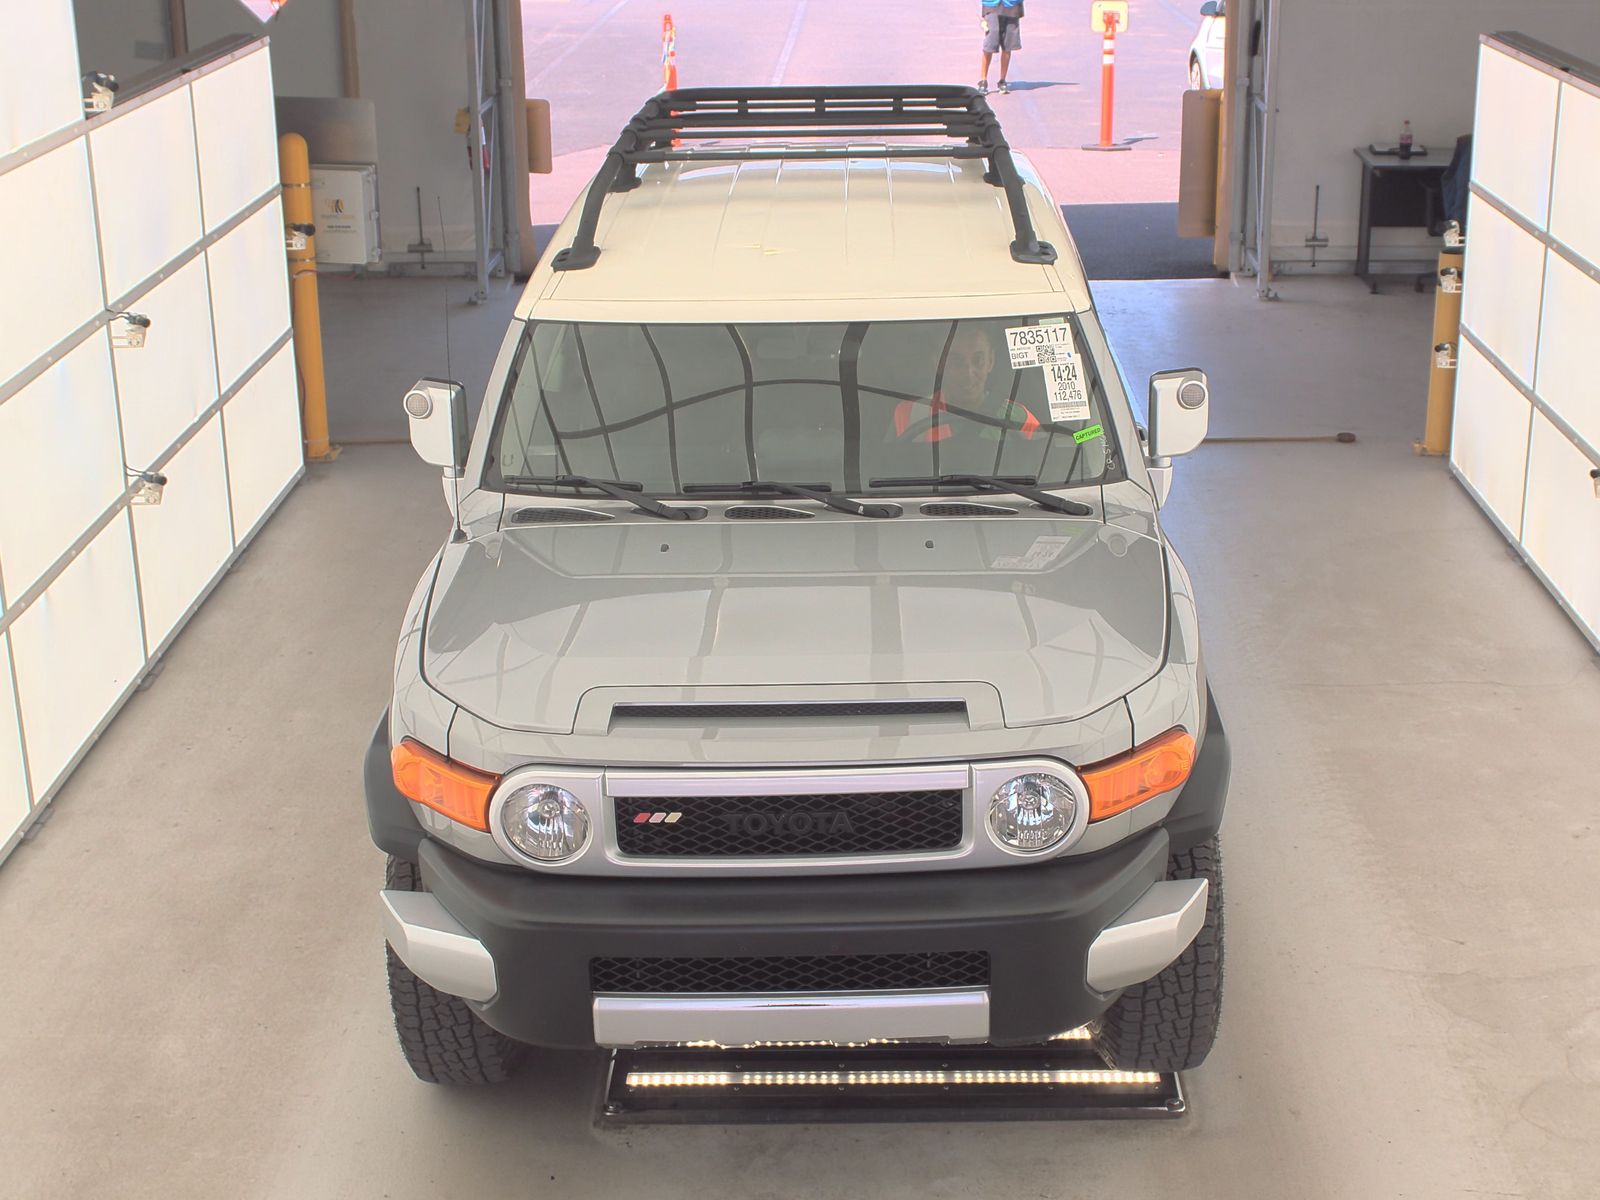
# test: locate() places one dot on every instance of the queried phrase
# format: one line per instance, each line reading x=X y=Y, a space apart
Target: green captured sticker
x=1084 y=435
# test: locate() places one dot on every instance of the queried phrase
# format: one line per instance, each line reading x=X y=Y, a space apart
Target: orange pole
x=669 y=54
x=1108 y=78
x=1108 y=85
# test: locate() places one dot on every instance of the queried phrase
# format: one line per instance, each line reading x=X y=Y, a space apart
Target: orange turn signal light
x=1159 y=765
x=430 y=779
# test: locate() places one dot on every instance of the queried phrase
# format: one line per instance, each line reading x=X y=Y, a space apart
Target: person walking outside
x=1002 y=31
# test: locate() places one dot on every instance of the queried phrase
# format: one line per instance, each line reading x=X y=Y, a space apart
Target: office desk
x=1395 y=193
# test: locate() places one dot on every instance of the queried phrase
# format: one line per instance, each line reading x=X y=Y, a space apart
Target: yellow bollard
x=1442 y=380
x=294 y=164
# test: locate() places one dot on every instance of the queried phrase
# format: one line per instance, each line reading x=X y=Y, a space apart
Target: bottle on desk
x=1405 y=140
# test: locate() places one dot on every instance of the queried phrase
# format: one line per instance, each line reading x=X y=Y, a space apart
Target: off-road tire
x=1197 y=76
x=443 y=1040
x=1170 y=1022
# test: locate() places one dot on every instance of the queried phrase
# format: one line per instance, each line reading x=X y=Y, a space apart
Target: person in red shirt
x=967 y=369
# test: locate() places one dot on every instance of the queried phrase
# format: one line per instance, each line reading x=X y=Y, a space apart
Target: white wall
x=414 y=67
x=166 y=206
x=1526 y=436
x=305 y=39
x=126 y=38
x=412 y=61
x=1350 y=71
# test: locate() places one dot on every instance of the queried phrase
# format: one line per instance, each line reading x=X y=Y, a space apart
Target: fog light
x=546 y=823
x=1031 y=813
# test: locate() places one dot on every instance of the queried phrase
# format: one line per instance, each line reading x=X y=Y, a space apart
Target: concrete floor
x=193 y=1000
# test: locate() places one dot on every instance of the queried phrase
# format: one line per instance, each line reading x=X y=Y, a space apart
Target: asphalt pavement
x=596 y=61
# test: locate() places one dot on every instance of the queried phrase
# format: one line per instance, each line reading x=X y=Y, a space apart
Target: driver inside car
x=969 y=366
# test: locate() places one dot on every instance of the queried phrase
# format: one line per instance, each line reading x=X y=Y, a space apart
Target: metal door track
x=1062 y=1080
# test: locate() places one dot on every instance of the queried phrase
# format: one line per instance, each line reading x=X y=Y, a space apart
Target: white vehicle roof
x=861 y=238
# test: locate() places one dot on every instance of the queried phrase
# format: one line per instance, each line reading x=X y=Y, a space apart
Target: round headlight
x=545 y=822
x=1032 y=812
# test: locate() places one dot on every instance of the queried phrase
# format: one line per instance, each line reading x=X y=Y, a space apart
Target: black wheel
x=1170 y=1022
x=1197 y=76
x=443 y=1040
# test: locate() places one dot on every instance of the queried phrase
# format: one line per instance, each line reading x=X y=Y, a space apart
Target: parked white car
x=1205 y=53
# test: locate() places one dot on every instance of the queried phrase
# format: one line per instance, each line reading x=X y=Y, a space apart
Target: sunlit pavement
x=596 y=61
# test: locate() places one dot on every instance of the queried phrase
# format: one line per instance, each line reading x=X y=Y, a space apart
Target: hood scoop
x=832 y=710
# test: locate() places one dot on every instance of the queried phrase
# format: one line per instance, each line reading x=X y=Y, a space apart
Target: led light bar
x=890 y=1078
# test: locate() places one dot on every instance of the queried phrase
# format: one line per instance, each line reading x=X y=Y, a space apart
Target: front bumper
x=1062 y=938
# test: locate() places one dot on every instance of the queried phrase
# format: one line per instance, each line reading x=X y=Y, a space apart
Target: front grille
x=778 y=826
x=812 y=973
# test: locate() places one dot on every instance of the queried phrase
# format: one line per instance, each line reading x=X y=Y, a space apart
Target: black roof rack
x=959 y=115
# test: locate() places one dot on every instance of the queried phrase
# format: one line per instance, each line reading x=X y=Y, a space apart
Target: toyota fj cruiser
x=807 y=661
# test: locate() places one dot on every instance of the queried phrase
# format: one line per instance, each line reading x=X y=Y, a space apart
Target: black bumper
x=1036 y=923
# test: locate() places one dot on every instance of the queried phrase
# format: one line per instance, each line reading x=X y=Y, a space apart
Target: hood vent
x=870 y=710
x=765 y=512
x=965 y=508
x=550 y=516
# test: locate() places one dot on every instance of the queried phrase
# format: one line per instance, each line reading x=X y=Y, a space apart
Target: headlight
x=545 y=822
x=1032 y=812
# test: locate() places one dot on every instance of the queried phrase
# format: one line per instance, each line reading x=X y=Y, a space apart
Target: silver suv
x=806 y=661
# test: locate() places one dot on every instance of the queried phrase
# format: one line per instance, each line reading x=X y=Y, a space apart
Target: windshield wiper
x=805 y=491
x=618 y=489
x=1019 y=485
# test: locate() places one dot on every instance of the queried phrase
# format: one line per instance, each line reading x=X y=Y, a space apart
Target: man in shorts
x=1002 y=31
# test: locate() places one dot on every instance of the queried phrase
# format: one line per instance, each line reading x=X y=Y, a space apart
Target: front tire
x=1197 y=76
x=1169 y=1023
x=442 y=1039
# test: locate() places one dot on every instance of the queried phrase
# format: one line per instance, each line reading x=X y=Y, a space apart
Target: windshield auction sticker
x=1050 y=348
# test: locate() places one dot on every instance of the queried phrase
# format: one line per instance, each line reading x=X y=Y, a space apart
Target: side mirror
x=1179 y=411
x=437 y=410
x=1211 y=9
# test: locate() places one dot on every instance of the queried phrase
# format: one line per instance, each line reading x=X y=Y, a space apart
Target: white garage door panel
x=1567 y=379
x=47 y=215
x=170 y=381
x=1514 y=132
x=1489 y=444
x=249 y=291
x=148 y=190
x=1562 y=530
x=262 y=425
x=1577 y=182
x=39 y=64
x=77 y=649
x=13 y=782
x=185 y=539
x=1505 y=314
x=237 y=130
x=60 y=462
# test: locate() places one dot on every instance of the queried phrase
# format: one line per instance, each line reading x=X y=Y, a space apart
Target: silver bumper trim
x=1145 y=940
x=840 y=1017
x=439 y=949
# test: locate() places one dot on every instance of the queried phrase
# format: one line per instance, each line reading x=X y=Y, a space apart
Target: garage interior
x=192 y=998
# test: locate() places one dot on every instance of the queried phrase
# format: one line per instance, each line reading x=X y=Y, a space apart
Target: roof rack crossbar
x=807 y=153
x=959 y=115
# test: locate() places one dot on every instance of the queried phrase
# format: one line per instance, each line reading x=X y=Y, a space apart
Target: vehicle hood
x=1059 y=616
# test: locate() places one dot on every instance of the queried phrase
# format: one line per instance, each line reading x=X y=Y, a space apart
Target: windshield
x=833 y=406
